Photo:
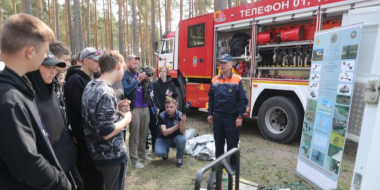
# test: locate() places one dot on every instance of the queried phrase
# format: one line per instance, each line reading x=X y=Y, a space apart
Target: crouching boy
x=172 y=124
x=102 y=127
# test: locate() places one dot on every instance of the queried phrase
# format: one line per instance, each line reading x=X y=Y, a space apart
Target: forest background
x=129 y=26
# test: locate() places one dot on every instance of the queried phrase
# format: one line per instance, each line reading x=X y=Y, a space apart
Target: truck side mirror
x=155 y=48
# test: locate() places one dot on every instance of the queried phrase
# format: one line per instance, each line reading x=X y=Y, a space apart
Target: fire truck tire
x=180 y=99
x=280 y=119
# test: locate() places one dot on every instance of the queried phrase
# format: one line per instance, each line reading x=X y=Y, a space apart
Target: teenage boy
x=52 y=118
x=61 y=53
x=77 y=78
x=102 y=128
x=172 y=123
x=27 y=160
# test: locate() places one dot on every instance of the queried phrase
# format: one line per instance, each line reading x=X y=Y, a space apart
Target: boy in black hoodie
x=27 y=160
x=53 y=118
x=76 y=80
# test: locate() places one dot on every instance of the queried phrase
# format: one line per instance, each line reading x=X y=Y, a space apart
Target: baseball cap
x=89 y=52
x=225 y=58
x=51 y=61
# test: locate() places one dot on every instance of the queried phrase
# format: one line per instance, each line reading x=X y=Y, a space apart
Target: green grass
x=262 y=162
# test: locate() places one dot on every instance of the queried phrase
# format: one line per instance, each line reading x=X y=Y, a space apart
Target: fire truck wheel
x=280 y=119
x=179 y=98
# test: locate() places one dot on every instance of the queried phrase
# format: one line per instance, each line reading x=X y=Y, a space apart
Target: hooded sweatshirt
x=164 y=91
x=27 y=160
x=76 y=81
x=53 y=119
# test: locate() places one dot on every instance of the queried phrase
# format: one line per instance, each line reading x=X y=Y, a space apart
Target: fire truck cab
x=271 y=43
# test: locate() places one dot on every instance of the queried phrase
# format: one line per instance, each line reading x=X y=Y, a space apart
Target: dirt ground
x=262 y=161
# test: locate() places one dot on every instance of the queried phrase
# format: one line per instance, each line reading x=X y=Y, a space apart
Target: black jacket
x=164 y=90
x=27 y=160
x=76 y=81
x=53 y=120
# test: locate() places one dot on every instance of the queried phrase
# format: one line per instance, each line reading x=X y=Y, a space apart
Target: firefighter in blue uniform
x=227 y=104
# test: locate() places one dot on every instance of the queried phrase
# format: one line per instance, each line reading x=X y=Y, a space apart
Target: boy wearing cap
x=102 y=127
x=27 y=159
x=227 y=104
x=77 y=78
x=52 y=117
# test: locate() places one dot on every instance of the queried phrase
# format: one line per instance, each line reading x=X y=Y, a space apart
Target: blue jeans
x=161 y=147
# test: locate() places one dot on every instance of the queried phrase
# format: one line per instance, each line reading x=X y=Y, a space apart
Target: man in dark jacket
x=173 y=126
x=27 y=160
x=76 y=80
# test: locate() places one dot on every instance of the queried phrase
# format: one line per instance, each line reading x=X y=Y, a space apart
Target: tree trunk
x=197 y=7
x=139 y=40
x=111 y=24
x=121 y=39
x=72 y=46
x=49 y=11
x=105 y=16
x=67 y=25
x=229 y=3
x=135 y=45
x=84 y=29
x=127 y=28
x=159 y=17
x=167 y=15
x=1 y=16
x=189 y=2
x=194 y=11
x=146 y=33
x=57 y=21
x=23 y=5
x=14 y=7
x=88 y=23
x=180 y=9
x=40 y=10
x=79 y=42
x=153 y=25
x=54 y=27
x=28 y=7
x=96 y=26
x=221 y=5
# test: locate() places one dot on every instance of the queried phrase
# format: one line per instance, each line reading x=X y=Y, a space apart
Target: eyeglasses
x=136 y=58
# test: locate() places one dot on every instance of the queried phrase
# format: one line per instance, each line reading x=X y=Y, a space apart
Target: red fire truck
x=271 y=43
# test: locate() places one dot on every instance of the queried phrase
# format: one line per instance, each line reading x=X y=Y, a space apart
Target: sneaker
x=138 y=165
x=147 y=152
x=147 y=159
x=179 y=163
x=165 y=157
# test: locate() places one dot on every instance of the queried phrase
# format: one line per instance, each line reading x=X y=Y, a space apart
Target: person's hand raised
x=141 y=76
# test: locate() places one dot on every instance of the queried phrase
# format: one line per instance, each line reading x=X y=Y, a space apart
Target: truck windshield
x=167 y=46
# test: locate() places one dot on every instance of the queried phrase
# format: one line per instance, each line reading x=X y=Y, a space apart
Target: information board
x=331 y=83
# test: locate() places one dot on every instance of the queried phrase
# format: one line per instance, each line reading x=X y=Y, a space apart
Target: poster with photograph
x=331 y=83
